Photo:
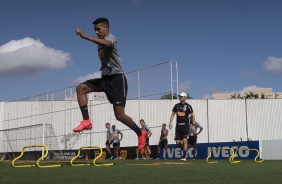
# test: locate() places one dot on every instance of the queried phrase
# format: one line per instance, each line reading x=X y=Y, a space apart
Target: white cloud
x=274 y=64
x=28 y=56
x=207 y=97
x=241 y=91
x=245 y=88
x=215 y=89
x=185 y=86
x=211 y=90
x=87 y=77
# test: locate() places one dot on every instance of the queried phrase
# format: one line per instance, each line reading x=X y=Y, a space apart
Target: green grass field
x=151 y=171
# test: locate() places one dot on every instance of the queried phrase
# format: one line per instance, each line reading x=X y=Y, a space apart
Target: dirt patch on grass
x=164 y=163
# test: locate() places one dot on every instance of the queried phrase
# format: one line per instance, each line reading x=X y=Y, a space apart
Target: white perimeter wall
x=222 y=120
x=271 y=149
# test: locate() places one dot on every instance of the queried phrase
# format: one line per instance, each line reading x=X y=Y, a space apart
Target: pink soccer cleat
x=84 y=125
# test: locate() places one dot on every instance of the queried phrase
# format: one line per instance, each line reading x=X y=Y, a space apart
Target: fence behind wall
x=60 y=109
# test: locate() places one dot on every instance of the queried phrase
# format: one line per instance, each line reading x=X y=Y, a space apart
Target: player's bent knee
x=80 y=89
x=120 y=117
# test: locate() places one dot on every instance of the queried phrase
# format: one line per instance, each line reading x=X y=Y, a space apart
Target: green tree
x=168 y=96
x=251 y=95
x=234 y=96
x=263 y=96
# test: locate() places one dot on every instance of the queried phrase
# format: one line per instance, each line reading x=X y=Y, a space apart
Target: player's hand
x=79 y=32
x=170 y=126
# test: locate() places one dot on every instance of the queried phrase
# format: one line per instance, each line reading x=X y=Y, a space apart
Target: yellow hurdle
x=38 y=161
x=2 y=157
x=239 y=161
x=94 y=161
x=213 y=162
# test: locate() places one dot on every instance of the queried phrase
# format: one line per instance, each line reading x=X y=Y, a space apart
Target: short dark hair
x=102 y=20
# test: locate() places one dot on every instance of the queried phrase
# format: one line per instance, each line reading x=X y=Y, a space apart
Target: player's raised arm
x=98 y=41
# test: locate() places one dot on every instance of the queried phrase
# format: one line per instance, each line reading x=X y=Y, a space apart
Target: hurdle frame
x=210 y=153
x=94 y=160
x=2 y=157
x=251 y=149
x=38 y=161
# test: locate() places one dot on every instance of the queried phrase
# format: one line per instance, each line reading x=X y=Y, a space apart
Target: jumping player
x=113 y=81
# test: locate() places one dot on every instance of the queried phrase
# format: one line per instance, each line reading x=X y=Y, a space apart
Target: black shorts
x=163 y=143
x=108 y=144
x=192 y=140
x=147 y=141
x=115 y=87
x=181 y=132
x=116 y=144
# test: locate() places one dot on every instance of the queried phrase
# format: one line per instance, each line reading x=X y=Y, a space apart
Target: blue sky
x=219 y=45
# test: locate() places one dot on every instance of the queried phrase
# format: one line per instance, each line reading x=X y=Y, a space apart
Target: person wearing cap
x=184 y=114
